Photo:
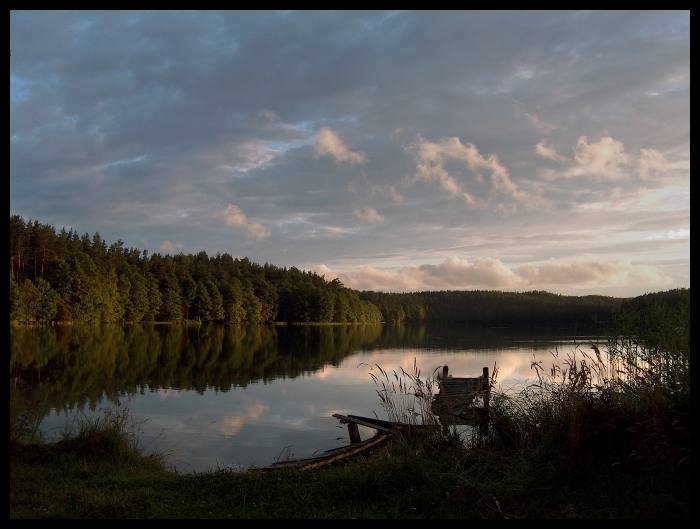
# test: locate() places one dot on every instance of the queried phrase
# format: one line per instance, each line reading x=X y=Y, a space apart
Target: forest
x=62 y=277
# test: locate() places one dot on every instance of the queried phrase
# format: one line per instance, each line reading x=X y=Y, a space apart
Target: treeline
x=481 y=308
x=495 y=308
x=63 y=276
x=66 y=277
x=492 y=308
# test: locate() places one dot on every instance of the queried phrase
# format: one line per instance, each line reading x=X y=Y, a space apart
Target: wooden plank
x=368 y=444
x=379 y=422
x=466 y=397
x=329 y=456
x=363 y=422
x=463 y=383
x=462 y=397
x=456 y=391
x=392 y=426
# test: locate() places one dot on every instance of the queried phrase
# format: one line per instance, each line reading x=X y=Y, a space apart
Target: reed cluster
x=404 y=396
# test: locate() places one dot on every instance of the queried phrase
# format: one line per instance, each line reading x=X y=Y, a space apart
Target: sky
x=398 y=151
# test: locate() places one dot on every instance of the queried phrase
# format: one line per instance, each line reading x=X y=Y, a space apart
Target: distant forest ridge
x=66 y=277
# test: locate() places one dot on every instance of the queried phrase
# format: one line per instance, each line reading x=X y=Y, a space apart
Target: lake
x=236 y=396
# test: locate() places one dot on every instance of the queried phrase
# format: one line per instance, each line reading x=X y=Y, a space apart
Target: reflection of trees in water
x=82 y=364
x=466 y=337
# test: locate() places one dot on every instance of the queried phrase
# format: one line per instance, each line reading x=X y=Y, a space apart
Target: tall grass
x=406 y=397
x=27 y=411
x=111 y=434
x=652 y=341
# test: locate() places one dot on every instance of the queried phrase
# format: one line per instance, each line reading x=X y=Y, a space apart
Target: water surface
x=239 y=396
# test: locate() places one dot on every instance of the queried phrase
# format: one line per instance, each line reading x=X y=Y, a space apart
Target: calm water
x=236 y=396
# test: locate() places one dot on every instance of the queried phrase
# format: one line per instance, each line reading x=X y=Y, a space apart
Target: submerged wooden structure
x=455 y=402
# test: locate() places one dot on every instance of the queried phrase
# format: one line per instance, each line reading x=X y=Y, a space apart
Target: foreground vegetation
x=606 y=437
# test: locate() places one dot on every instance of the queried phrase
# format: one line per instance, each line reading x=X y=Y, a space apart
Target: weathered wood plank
x=457 y=391
x=369 y=443
x=363 y=421
x=329 y=456
x=392 y=426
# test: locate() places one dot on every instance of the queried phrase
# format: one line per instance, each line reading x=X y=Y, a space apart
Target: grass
x=605 y=436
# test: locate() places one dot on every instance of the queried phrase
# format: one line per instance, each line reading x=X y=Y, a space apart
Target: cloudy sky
x=398 y=151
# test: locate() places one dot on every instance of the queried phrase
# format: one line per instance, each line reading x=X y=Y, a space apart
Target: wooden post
x=487 y=387
x=354 y=432
x=487 y=394
x=445 y=369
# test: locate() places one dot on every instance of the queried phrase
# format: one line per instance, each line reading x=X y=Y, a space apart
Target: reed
x=405 y=397
x=111 y=434
x=27 y=412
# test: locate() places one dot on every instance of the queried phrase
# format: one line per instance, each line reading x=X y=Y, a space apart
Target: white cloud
x=651 y=163
x=395 y=195
x=233 y=216
x=242 y=157
x=328 y=143
x=490 y=273
x=536 y=122
x=547 y=151
x=430 y=158
x=258 y=231
x=368 y=215
x=455 y=271
x=605 y=158
x=388 y=191
x=673 y=234
x=590 y=273
x=322 y=270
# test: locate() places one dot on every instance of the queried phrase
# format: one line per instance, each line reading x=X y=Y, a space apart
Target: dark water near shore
x=234 y=396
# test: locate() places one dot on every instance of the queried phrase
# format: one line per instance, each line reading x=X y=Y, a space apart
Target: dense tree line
x=489 y=308
x=513 y=309
x=63 y=276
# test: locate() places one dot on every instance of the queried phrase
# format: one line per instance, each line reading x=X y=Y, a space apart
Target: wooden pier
x=454 y=403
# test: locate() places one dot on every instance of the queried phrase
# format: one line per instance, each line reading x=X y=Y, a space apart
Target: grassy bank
x=607 y=436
